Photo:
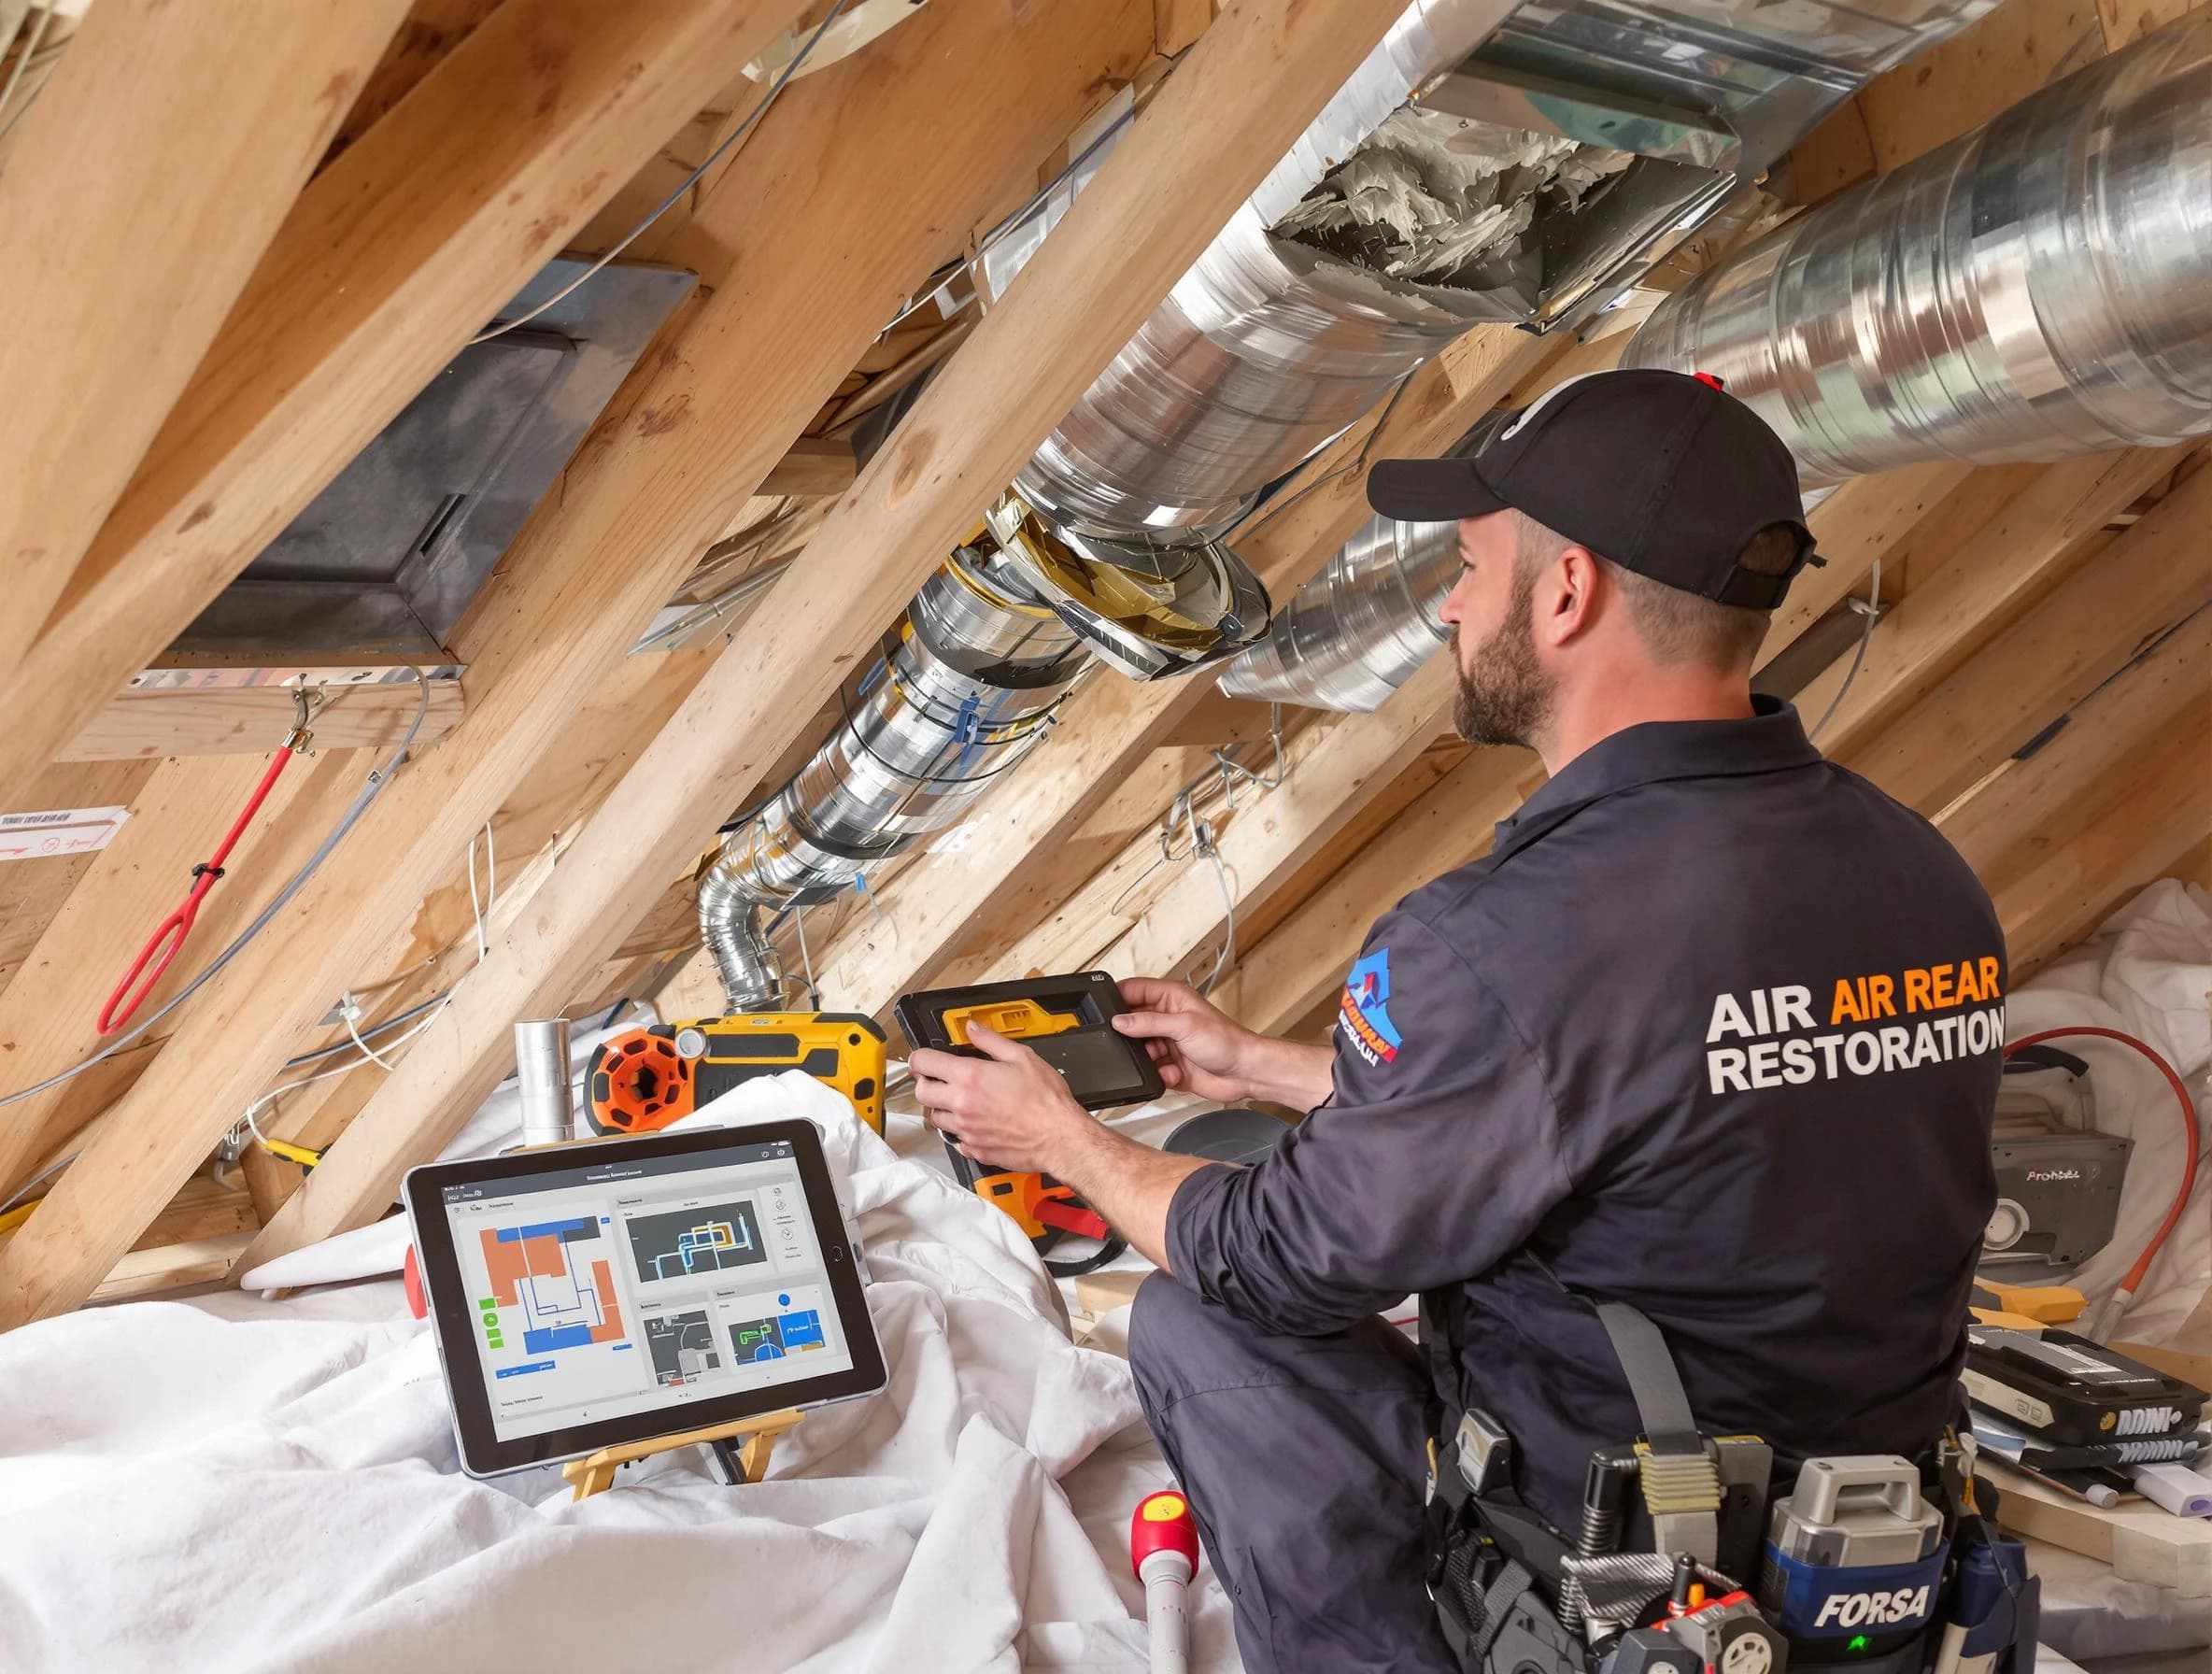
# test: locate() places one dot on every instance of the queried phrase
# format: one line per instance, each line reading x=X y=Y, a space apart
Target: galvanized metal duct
x=1239 y=373
x=2040 y=288
x=1359 y=630
x=1264 y=349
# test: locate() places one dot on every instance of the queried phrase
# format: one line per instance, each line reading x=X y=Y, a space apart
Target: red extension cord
x=2188 y=1127
x=169 y=935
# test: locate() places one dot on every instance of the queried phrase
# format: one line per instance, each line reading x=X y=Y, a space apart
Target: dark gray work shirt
x=1713 y=1029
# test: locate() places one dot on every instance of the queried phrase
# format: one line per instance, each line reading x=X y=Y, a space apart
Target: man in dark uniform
x=1713 y=1029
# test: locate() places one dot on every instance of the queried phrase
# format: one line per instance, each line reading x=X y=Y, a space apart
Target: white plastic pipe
x=1165 y=1576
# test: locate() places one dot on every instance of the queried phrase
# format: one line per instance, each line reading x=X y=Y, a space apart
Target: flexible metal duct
x=965 y=690
x=2040 y=288
x=1359 y=630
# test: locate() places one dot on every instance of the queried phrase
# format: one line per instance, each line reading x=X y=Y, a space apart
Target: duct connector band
x=1148 y=609
x=2035 y=289
x=1359 y=630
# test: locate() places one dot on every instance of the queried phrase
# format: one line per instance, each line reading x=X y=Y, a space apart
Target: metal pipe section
x=541 y=1080
x=1240 y=372
x=1358 y=631
x=2039 y=289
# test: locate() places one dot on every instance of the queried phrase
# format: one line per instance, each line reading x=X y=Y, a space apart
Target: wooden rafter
x=696 y=428
x=391 y=257
x=1214 y=129
x=133 y=211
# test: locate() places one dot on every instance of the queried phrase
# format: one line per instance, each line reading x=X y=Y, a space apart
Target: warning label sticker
x=59 y=832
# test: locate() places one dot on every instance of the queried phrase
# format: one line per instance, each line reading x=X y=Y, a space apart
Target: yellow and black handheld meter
x=643 y=1079
x=1067 y=1021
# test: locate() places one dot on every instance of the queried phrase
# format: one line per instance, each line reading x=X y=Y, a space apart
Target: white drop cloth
x=2148 y=972
x=236 y=1484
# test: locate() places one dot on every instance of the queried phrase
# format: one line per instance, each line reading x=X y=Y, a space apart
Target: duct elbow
x=730 y=924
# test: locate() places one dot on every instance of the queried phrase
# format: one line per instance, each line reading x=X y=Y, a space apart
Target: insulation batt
x=1445 y=192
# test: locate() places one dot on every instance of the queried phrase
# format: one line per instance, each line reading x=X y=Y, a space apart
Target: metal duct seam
x=2035 y=289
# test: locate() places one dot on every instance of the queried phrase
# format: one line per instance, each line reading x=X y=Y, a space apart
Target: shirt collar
x=1770 y=739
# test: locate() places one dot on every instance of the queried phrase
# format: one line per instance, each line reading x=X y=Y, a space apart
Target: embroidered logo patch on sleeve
x=1364 y=1013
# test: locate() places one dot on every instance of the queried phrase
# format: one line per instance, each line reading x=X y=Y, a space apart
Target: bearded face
x=1504 y=694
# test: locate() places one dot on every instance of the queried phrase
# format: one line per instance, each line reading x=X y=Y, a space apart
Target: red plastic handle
x=1162 y=1522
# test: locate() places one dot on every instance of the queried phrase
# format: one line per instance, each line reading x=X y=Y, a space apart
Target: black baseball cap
x=1663 y=472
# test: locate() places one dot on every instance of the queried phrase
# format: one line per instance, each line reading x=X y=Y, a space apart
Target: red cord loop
x=168 y=938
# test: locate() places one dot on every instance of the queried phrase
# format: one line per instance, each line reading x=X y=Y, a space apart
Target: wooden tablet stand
x=745 y=1463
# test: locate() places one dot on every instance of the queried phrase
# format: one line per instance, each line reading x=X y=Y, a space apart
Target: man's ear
x=1566 y=603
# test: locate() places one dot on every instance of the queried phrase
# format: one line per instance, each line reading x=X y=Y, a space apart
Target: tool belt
x=1513 y=1596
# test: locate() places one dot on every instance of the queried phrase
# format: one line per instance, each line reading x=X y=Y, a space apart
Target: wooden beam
x=32 y=889
x=2050 y=657
x=1206 y=139
x=254 y=720
x=2020 y=555
x=1138 y=917
x=2062 y=837
x=1114 y=725
x=817 y=466
x=393 y=256
x=135 y=208
x=2127 y=22
x=697 y=426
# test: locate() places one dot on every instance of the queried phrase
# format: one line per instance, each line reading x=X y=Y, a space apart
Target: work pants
x=1305 y=1461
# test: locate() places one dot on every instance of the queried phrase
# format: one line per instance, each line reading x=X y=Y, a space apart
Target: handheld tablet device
x=587 y=1296
x=1066 y=1020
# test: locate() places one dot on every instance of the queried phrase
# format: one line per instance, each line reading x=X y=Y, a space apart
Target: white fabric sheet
x=235 y=1484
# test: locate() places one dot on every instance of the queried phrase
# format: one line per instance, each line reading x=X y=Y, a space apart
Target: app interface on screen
x=624 y=1287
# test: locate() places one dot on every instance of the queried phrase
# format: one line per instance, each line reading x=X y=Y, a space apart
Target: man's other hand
x=1007 y=1108
x=1196 y=1045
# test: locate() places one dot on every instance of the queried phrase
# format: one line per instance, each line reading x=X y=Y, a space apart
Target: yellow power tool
x=643 y=1079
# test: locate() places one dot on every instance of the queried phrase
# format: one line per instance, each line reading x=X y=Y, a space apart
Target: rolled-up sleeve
x=1436 y=1154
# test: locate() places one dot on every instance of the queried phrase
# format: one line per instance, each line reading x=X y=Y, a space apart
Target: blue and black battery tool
x=1854 y=1559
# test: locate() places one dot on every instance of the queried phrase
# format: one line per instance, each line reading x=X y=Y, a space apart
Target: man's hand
x=1009 y=1107
x=1199 y=1049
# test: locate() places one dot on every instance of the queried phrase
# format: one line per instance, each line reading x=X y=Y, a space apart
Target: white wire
x=1869 y=607
x=483 y=909
x=366 y=1050
x=274 y=1093
x=689 y=181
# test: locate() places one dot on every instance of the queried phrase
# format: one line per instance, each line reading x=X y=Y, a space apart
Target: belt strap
x=1661 y=1401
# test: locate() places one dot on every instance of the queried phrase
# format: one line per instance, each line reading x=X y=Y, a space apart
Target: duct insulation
x=2039 y=289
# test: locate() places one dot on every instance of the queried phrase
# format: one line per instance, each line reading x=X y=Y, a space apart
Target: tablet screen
x=637 y=1284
